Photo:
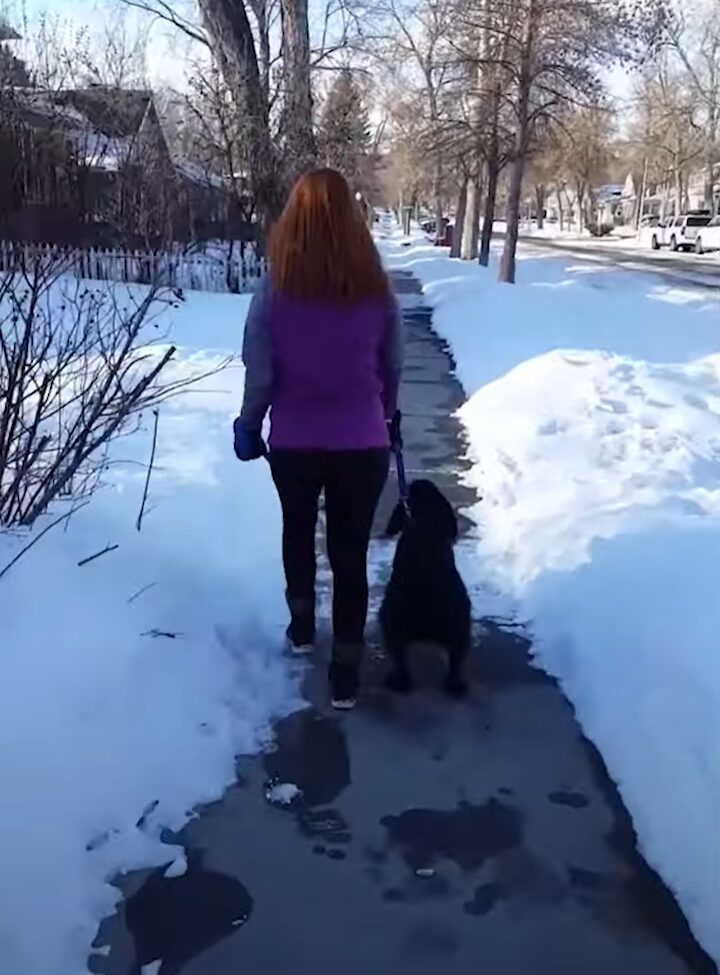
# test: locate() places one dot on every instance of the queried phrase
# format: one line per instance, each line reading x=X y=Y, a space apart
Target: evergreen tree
x=344 y=138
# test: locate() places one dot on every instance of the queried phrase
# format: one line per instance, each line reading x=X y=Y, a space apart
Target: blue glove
x=249 y=445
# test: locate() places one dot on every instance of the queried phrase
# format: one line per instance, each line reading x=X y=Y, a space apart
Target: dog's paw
x=456 y=686
x=400 y=682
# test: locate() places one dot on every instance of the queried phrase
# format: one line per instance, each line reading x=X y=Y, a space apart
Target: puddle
x=311 y=752
x=468 y=835
x=175 y=919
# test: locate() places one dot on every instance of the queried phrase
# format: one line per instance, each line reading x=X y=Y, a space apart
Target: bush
x=77 y=364
x=601 y=229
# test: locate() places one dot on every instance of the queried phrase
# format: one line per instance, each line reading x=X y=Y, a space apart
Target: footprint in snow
x=613 y=405
x=696 y=401
x=550 y=428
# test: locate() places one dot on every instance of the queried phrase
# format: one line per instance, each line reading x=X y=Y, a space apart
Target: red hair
x=320 y=249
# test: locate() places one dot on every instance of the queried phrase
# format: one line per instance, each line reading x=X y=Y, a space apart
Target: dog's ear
x=452 y=525
x=445 y=520
x=397 y=521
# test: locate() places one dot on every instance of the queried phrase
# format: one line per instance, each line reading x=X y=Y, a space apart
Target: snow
x=593 y=416
x=128 y=686
x=178 y=868
x=283 y=793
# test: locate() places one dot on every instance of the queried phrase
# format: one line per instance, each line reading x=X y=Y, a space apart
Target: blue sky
x=163 y=62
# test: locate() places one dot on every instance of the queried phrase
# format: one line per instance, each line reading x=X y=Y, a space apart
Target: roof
x=8 y=33
x=117 y=113
x=609 y=191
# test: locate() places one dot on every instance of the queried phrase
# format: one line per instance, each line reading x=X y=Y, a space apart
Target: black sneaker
x=343 y=685
x=300 y=638
x=301 y=632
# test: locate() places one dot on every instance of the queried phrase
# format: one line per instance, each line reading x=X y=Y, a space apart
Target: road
x=700 y=271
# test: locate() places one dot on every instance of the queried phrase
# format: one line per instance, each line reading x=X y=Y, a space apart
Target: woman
x=323 y=353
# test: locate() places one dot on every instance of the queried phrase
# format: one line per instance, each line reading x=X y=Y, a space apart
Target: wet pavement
x=425 y=835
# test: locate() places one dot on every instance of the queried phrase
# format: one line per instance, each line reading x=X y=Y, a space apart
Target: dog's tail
x=397 y=520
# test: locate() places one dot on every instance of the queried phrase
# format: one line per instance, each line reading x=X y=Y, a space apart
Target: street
x=701 y=271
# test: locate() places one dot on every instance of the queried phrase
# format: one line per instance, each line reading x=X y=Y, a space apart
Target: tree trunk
x=437 y=199
x=493 y=171
x=710 y=157
x=468 y=251
x=507 y=262
x=540 y=205
x=299 y=135
x=678 y=192
x=561 y=212
x=232 y=42
x=580 y=200
x=459 y=219
x=260 y=10
x=493 y=177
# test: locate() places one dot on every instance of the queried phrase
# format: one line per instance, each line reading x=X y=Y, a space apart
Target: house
x=609 y=207
x=93 y=165
x=660 y=199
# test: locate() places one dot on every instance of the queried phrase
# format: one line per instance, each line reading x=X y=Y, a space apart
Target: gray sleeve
x=391 y=358
x=258 y=359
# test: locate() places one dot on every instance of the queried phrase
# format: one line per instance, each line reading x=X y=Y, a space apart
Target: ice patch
x=283 y=794
x=178 y=868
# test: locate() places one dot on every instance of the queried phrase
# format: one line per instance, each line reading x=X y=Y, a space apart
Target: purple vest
x=328 y=388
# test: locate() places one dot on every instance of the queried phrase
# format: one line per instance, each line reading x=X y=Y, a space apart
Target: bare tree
x=580 y=149
x=694 y=33
x=410 y=39
x=556 y=48
x=668 y=128
x=77 y=363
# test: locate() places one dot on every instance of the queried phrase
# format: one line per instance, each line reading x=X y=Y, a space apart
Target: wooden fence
x=212 y=267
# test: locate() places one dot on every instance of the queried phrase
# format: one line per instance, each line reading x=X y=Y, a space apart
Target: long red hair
x=320 y=249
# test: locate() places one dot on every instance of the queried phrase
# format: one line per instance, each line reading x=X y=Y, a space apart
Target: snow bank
x=593 y=415
x=129 y=685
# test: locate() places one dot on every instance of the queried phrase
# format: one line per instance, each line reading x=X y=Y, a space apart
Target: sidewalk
x=484 y=836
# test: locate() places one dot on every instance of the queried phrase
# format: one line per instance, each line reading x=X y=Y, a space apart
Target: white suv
x=708 y=238
x=678 y=233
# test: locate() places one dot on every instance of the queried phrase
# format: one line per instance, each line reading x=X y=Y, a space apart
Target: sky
x=166 y=51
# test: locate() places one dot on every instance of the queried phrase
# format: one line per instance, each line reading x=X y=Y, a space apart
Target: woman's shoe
x=299 y=643
x=300 y=634
x=344 y=675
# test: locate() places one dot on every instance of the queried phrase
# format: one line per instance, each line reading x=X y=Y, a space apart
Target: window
x=698 y=221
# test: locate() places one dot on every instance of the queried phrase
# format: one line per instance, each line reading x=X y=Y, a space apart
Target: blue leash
x=397 y=449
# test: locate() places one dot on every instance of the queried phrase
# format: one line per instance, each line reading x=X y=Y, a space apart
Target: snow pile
x=593 y=414
x=129 y=685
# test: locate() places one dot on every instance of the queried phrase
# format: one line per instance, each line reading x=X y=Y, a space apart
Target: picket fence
x=216 y=268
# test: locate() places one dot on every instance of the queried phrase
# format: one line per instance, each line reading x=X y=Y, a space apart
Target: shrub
x=78 y=362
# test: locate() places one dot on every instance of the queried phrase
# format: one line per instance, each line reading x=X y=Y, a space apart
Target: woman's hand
x=249 y=445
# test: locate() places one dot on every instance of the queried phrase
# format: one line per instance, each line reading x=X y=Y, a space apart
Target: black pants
x=353 y=481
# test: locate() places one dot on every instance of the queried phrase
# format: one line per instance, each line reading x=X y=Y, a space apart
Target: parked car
x=678 y=233
x=708 y=238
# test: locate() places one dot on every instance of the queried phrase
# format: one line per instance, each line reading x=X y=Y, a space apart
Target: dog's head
x=429 y=508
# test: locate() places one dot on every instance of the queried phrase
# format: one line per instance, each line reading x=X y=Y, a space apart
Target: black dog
x=426 y=600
